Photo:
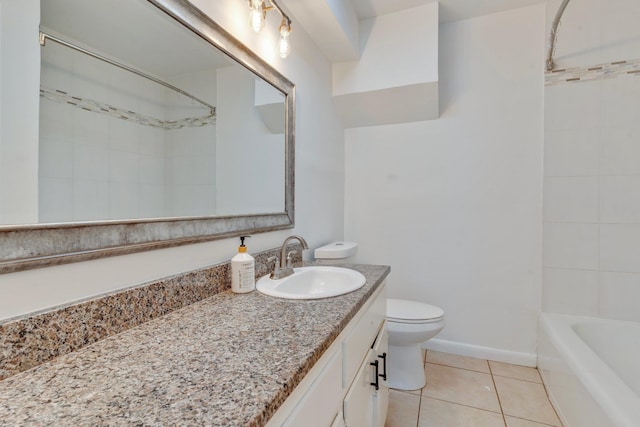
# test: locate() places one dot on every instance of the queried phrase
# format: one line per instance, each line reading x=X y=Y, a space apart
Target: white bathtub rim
x=618 y=401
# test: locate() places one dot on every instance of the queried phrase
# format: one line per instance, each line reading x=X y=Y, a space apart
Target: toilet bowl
x=409 y=324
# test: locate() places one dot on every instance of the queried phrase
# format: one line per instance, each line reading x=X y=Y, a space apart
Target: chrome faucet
x=283 y=267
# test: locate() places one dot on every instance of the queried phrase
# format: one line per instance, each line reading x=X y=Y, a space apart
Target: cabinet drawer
x=359 y=341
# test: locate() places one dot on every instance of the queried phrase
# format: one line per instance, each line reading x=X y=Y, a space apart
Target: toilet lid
x=400 y=309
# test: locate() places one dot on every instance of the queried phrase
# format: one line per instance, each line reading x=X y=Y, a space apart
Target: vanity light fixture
x=257 y=16
x=284 y=47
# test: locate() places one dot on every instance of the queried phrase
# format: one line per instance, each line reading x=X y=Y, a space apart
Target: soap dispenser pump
x=243 y=276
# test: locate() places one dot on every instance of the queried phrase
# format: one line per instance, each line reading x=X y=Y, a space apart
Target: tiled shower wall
x=95 y=166
x=591 y=248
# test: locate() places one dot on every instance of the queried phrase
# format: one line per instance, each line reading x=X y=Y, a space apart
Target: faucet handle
x=289 y=261
x=275 y=260
x=276 y=267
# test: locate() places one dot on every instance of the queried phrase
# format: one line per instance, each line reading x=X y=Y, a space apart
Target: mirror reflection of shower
x=154 y=129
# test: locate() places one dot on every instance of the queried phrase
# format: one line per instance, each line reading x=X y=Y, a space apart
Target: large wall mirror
x=156 y=128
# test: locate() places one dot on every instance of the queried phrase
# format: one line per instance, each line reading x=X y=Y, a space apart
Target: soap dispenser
x=243 y=270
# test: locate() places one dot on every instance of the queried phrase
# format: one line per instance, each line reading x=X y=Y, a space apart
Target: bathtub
x=591 y=369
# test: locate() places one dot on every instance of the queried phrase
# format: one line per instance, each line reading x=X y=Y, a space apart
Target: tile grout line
x=460 y=404
x=457 y=367
x=419 y=407
x=491 y=371
x=484 y=372
x=535 y=422
x=519 y=379
x=495 y=387
x=424 y=365
x=546 y=392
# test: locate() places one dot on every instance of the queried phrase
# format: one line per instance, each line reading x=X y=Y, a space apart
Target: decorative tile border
x=120 y=113
x=31 y=340
x=595 y=72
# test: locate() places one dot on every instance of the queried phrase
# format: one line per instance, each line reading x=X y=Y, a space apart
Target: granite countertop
x=229 y=360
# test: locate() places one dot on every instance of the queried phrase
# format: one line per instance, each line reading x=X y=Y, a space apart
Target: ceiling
x=163 y=47
x=450 y=10
x=334 y=24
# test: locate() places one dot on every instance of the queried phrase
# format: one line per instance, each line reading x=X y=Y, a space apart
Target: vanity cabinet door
x=365 y=405
x=339 y=421
x=380 y=351
x=358 y=403
x=358 y=342
x=320 y=404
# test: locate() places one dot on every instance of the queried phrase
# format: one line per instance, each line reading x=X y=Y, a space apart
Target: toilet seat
x=405 y=311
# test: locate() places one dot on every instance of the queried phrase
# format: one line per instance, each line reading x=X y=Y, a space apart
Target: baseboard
x=480 y=352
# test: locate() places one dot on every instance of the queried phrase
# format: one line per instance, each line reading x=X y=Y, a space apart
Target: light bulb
x=284 y=46
x=256 y=16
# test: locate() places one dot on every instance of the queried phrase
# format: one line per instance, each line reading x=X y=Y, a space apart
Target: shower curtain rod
x=554 y=34
x=44 y=36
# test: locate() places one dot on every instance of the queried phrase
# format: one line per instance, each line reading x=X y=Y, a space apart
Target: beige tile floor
x=466 y=392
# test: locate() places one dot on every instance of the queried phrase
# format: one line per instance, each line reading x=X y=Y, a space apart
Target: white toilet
x=409 y=324
x=336 y=253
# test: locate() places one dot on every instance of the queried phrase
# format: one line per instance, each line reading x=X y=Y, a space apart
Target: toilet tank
x=336 y=253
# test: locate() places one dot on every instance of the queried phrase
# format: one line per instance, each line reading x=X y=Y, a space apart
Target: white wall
x=19 y=63
x=592 y=172
x=398 y=49
x=251 y=170
x=454 y=205
x=319 y=184
x=398 y=67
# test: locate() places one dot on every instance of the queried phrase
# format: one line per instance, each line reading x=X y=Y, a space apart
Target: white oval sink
x=313 y=283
